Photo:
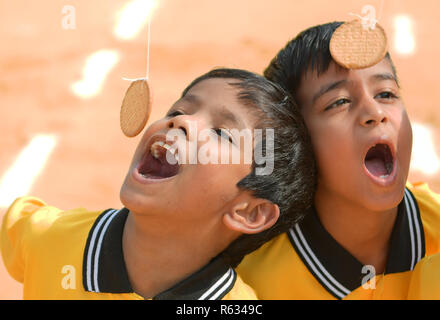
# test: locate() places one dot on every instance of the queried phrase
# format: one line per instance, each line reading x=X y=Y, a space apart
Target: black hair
x=308 y=51
x=292 y=183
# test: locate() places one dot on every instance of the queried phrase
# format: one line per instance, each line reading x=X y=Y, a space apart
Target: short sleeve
x=14 y=233
x=425 y=280
x=241 y=291
x=428 y=202
x=423 y=189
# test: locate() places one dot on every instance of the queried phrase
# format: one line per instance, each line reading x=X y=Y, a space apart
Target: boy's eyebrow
x=329 y=87
x=228 y=116
x=192 y=99
x=336 y=85
x=220 y=113
x=385 y=76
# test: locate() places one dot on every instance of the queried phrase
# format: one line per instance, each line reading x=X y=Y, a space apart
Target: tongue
x=376 y=166
x=157 y=169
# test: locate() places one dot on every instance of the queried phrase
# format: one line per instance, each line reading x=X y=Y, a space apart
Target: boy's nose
x=188 y=124
x=372 y=114
x=178 y=123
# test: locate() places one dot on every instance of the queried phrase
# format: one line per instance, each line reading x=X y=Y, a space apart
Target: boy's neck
x=158 y=254
x=364 y=233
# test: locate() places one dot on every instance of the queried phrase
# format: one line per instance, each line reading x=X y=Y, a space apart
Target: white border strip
x=411 y=231
x=416 y=226
x=307 y=254
x=224 y=288
x=98 y=250
x=90 y=249
x=219 y=282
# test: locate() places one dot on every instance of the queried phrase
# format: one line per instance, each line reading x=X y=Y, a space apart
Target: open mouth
x=379 y=161
x=155 y=164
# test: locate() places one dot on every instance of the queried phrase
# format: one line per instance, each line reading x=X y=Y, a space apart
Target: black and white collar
x=337 y=270
x=104 y=268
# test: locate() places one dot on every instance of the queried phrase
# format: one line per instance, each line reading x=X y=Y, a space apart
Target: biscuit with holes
x=136 y=108
x=354 y=46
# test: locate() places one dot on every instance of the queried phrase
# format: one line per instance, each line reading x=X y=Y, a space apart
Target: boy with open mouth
x=367 y=230
x=184 y=225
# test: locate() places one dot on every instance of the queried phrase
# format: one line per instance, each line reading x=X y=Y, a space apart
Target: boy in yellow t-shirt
x=368 y=228
x=185 y=224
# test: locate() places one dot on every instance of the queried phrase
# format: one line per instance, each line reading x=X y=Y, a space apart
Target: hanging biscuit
x=354 y=46
x=136 y=108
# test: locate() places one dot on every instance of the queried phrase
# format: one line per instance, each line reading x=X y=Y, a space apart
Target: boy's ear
x=251 y=215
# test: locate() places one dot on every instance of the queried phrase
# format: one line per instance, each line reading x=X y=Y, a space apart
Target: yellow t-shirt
x=425 y=280
x=308 y=263
x=77 y=254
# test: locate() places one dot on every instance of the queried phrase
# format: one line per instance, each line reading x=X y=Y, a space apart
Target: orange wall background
x=45 y=90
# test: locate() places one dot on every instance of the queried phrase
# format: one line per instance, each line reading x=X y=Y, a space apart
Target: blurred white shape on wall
x=133 y=17
x=98 y=65
x=424 y=154
x=19 y=178
x=404 y=41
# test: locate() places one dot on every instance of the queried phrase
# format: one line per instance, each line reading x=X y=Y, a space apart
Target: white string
x=148 y=54
x=148 y=48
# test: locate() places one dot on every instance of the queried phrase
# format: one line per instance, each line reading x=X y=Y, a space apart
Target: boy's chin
x=383 y=201
x=126 y=197
x=139 y=202
x=132 y=199
x=135 y=203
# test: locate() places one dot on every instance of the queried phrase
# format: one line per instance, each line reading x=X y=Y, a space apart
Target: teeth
x=155 y=148
x=389 y=167
x=160 y=144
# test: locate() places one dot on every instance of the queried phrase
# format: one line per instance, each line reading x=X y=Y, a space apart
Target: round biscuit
x=135 y=108
x=354 y=46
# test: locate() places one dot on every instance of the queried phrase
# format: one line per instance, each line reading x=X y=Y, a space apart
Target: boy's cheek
x=405 y=129
x=327 y=140
x=214 y=184
x=221 y=175
x=334 y=155
x=155 y=126
x=405 y=140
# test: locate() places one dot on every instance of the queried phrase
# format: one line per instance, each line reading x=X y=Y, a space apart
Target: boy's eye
x=223 y=133
x=174 y=114
x=337 y=103
x=388 y=95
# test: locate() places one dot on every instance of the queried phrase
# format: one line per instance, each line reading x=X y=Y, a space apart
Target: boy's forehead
x=335 y=70
x=218 y=97
x=312 y=82
x=211 y=92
